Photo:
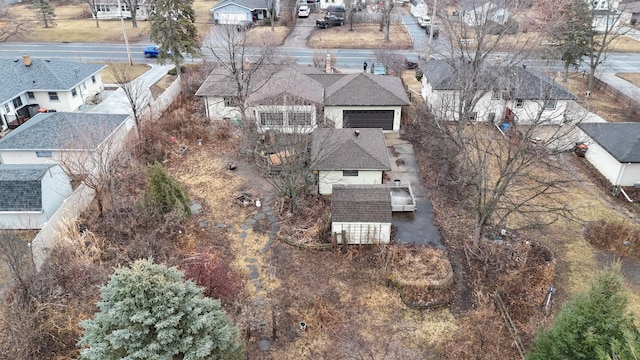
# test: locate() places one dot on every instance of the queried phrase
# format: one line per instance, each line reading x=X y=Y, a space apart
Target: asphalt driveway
x=412 y=227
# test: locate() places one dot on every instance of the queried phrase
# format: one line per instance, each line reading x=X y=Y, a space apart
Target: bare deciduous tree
x=138 y=95
x=243 y=70
x=15 y=253
x=93 y=7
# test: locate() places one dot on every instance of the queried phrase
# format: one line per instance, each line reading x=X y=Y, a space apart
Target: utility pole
x=124 y=33
x=433 y=19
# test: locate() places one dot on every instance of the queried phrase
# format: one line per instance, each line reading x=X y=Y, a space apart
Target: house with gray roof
x=233 y=12
x=361 y=214
x=506 y=93
x=28 y=85
x=630 y=12
x=303 y=95
x=31 y=194
x=348 y=156
x=614 y=150
x=50 y=138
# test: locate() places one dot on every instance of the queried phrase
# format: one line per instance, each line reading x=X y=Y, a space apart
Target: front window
x=103 y=7
x=550 y=105
x=519 y=103
x=272 y=118
x=31 y=95
x=53 y=96
x=7 y=108
x=17 y=102
x=229 y=101
x=74 y=92
x=299 y=118
x=349 y=172
x=93 y=79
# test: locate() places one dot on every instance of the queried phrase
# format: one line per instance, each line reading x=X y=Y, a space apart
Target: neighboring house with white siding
x=30 y=84
x=52 y=138
x=348 y=157
x=507 y=94
x=114 y=9
x=614 y=150
x=361 y=214
x=313 y=97
x=233 y=12
x=31 y=194
x=477 y=14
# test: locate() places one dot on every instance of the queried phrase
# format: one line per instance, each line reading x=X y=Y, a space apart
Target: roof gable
x=621 y=140
x=361 y=203
x=247 y=4
x=62 y=131
x=21 y=187
x=366 y=90
x=342 y=149
x=42 y=75
x=292 y=82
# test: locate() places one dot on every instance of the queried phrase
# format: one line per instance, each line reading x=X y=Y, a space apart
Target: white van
x=304 y=11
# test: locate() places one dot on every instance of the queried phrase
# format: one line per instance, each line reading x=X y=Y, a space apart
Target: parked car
x=410 y=64
x=436 y=30
x=244 y=25
x=328 y=21
x=153 y=51
x=304 y=11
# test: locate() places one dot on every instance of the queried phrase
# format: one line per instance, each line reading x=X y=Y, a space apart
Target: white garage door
x=231 y=18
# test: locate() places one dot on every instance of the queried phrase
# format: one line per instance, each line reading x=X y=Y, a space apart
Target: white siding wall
x=631 y=175
x=56 y=186
x=25 y=157
x=334 y=113
x=27 y=220
x=362 y=233
x=326 y=179
x=603 y=161
x=216 y=110
x=444 y=104
x=287 y=128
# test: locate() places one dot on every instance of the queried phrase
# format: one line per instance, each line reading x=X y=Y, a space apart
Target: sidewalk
x=623 y=86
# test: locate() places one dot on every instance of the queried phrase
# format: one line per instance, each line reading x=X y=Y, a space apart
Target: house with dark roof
x=30 y=84
x=348 y=157
x=31 y=194
x=49 y=138
x=506 y=93
x=614 y=149
x=477 y=14
x=305 y=96
x=233 y=12
x=361 y=214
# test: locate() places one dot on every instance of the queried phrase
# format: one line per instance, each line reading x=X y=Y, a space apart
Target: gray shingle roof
x=21 y=188
x=361 y=203
x=632 y=7
x=249 y=4
x=63 y=131
x=621 y=140
x=289 y=81
x=310 y=83
x=341 y=149
x=366 y=90
x=42 y=75
x=522 y=83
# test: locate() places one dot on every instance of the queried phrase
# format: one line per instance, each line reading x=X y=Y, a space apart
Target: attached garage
x=368 y=119
x=231 y=14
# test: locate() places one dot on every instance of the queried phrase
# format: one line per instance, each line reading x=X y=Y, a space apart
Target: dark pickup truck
x=328 y=21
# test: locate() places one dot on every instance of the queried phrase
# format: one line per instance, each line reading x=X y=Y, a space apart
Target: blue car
x=153 y=51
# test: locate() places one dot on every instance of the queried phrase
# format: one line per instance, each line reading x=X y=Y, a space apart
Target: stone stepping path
x=260 y=314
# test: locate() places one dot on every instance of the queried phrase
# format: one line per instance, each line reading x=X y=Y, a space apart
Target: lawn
x=363 y=36
x=136 y=70
x=633 y=78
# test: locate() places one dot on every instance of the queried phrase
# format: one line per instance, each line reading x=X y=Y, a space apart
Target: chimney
x=357 y=132
x=27 y=60
x=327 y=64
x=246 y=65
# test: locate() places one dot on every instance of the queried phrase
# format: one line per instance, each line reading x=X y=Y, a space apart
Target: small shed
x=361 y=214
x=31 y=194
x=614 y=150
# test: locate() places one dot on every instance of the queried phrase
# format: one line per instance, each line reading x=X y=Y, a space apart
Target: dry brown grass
x=135 y=71
x=633 y=78
x=625 y=44
x=263 y=36
x=75 y=24
x=363 y=36
x=599 y=102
